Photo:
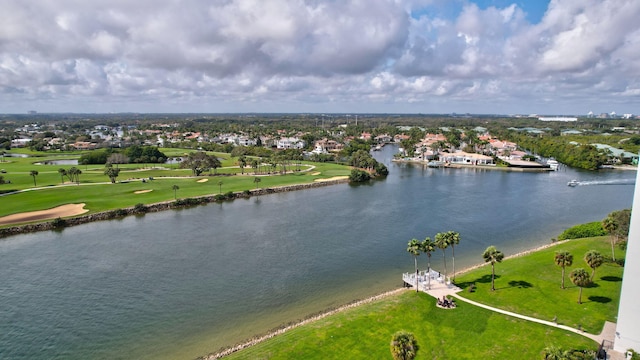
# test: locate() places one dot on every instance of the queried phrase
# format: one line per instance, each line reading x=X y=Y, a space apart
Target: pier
x=432 y=282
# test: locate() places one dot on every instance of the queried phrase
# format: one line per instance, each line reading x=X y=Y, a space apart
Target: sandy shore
x=332 y=178
x=60 y=211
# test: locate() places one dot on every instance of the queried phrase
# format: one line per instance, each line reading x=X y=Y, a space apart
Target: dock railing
x=426 y=280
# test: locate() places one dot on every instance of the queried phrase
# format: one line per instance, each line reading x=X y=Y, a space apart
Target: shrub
x=140 y=208
x=358 y=176
x=219 y=197
x=229 y=195
x=59 y=223
x=582 y=231
x=247 y=192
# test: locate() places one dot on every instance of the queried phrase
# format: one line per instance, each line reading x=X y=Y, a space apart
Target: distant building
x=557 y=118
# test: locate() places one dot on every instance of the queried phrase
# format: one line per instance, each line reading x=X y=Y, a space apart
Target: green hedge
x=591 y=229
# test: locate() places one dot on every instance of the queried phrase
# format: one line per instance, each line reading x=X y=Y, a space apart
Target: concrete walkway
x=607 y=336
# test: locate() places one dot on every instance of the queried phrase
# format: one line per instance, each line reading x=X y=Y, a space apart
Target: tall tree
x=453 y=239
x=414 y=248
x=493 y=255
x=34 y=173
x=74 y=174
x=442 y=242
x=220 y=185
x=242 y=162
x=175 y=191
x=63 y=173
x=256 y=180
x=610 y=225
x=594 y=259
x=404 y=346
x=428 y=246
x=580 y=278
x=199 y=162
x=563 y=259
x=111 y=172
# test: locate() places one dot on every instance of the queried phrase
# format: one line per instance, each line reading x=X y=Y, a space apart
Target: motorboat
x=435 y=164
x=553 y=164
x=573 y=182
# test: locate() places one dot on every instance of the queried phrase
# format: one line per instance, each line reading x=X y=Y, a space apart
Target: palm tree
x=34 y=173
x=256 y=180
x=175 y=189
x=220 y=185
x=610 y=225
x=563 y=259
x=594 y=259
x=493 y=255
x=74 y=174
x=453 y=238
x=442 y=242
x=242 y=162
x=404 y=346
x=555 y=353
x=428 y=246
x=62 y=173
x=414 y=248
x=580 y=277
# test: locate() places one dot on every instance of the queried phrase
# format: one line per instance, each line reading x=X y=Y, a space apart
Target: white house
x=290 y=143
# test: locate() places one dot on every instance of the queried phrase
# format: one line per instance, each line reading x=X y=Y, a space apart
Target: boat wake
x=608 y=182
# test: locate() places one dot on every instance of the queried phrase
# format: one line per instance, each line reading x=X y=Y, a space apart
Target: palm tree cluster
x=579 y=277
x=73 y=174
x=428 y=246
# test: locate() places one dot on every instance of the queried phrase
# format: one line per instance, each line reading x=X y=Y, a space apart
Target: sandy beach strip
x=56 y=212
x=332 y=178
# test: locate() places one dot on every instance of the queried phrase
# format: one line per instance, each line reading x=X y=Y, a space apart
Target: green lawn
x=100 y=195
x=364 y=332
x=530 y=285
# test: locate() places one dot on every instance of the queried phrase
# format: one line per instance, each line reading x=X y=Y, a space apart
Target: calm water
x=181 y=284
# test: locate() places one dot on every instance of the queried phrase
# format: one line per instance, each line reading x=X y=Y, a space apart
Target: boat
x=435 y=164
x=573 y=182
x=553 y=164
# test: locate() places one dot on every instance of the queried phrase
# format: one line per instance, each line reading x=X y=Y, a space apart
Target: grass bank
x=527 y=284
x=364 y=332
x=530 y=285
x=52 y=190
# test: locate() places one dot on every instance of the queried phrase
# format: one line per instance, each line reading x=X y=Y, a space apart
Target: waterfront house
x=464 y=158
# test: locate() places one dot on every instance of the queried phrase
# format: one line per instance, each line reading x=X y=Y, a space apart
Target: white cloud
x=305 y=53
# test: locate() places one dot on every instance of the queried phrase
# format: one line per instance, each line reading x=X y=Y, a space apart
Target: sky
x=557 y=57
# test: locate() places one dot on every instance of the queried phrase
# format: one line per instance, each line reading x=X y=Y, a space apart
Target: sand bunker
x=332 y=178
x=60 y=211
x=142 y=191
x=203 y=180
x=315 y=173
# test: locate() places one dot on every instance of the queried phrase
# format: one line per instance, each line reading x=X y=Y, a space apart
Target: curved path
x=607 y=335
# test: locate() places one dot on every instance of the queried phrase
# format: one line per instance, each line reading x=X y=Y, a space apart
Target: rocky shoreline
x=280 y=330
x=61 y=223
x=285 y=328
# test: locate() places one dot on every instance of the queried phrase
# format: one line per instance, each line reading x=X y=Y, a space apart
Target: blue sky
x=358 y=56
x=533 y=9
